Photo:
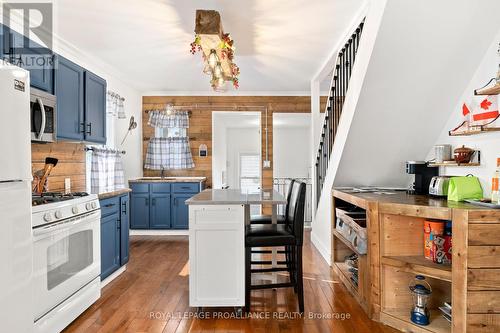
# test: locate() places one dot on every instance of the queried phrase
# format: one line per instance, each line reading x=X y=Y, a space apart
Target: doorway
x=236 y=151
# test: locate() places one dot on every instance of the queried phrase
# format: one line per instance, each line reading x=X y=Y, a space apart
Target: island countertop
x=235 y=197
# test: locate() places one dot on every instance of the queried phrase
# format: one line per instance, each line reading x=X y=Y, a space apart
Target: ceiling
x=280 y=44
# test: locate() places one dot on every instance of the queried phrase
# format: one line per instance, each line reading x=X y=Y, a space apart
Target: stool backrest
x=295 y=215
x=289 y=196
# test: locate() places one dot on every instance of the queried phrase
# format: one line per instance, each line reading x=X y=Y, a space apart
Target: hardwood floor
x=152 y=296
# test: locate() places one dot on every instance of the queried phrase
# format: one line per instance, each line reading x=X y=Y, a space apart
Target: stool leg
x=300 y=282
x=248 y=277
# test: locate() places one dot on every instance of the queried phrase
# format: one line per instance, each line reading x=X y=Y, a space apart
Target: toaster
x=439 y=186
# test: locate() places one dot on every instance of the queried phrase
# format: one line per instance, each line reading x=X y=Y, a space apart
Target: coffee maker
x=423 y=175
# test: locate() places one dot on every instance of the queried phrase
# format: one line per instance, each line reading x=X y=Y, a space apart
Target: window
x=250 y=172
x=170 y=132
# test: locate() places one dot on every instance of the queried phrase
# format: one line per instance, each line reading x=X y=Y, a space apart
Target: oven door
x=67 y=256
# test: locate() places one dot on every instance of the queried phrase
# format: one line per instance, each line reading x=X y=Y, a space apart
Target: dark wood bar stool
x=267 y=219
x=289 y=235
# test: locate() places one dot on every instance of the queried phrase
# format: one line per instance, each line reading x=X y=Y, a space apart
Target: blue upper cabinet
x=69 y=81
x=27 y=54
x=95 y=108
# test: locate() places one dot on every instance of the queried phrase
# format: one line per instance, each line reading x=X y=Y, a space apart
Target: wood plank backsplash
x=71 y=163
x=200 y=126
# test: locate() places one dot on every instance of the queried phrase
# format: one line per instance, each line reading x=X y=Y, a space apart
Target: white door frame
x=256 y=113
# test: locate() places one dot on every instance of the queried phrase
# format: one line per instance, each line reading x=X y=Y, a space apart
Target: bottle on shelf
x=495 y=194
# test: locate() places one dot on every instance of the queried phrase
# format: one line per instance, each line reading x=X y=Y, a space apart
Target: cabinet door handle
x=109 y=205
x=154 y=202
x=175 y=202
x=147 y=201
x=124 y=207
x=118 y=225
x=83 y=128
x=89 y=126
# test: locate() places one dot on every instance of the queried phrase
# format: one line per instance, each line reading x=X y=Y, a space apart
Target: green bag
x=462 y=188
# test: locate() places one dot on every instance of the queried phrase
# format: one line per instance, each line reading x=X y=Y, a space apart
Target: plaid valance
x=168 y=154
x=160 y=118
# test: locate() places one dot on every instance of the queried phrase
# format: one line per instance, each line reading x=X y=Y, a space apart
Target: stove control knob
x=58 y=214
x=88 y=206
x=94 y=205
x=75 y=210
x=47 y=217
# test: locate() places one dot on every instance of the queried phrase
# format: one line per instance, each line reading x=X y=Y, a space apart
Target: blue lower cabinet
x=124 y=229
x=161 y=205
x=115 y=219
x=139 y=210
x=180 y=211
x=110 y=245
x=159 y=211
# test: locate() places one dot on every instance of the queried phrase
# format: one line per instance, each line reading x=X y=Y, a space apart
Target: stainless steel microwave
x=42 y=116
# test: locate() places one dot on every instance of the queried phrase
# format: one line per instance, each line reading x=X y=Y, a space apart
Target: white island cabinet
x=217 y=220
x=216 y=255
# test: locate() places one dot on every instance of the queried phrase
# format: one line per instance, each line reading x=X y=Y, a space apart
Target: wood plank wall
x=200 y=131
x=71 y=163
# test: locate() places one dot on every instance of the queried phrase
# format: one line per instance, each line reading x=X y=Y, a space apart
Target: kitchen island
x=217 y=220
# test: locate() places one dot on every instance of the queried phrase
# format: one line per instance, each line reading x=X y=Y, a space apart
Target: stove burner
x=50 y=197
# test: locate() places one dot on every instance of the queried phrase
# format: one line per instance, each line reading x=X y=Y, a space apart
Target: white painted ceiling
x=280 y=44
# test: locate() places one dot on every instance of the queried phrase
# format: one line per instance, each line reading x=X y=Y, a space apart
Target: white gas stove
x=66 y=257
x=53 y=207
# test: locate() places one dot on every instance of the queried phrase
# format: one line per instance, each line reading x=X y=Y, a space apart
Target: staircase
x=340 y=84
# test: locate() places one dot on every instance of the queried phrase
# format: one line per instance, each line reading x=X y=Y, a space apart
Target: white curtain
x=107 y=173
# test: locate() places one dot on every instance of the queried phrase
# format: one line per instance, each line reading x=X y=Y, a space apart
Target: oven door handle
x=44 y=118
x=67 y=224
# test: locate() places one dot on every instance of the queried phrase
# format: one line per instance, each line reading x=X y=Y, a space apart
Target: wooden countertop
x=401 y=203
x=114 y=193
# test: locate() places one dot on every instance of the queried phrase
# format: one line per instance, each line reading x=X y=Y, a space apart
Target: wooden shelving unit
x=454 y=164
x=401 y=318
x=419 y=265
x=396 y=254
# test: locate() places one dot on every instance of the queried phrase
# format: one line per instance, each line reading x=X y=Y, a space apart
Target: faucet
x=162 y=174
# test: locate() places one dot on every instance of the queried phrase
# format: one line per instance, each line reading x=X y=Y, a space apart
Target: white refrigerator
x=16 y=244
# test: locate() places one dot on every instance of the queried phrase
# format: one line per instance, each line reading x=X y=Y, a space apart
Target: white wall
x=291 y=143
x=132 y=160
x=219 y=151
x=240 y=141
x=488 y=143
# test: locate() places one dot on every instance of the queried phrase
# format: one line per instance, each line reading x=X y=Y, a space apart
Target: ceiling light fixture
x=217 y=49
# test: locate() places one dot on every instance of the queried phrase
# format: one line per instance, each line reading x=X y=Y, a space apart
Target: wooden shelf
x=346 y=242
x=454 y=164
x=401 y=319
x=475 y=131
x=342 y=270
x=419 y=265
x=494 y=90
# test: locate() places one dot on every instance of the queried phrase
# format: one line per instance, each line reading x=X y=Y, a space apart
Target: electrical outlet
x=267 y=164
x=67 y=185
